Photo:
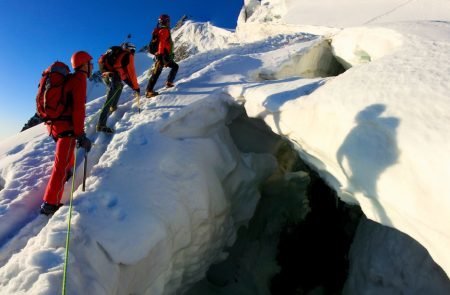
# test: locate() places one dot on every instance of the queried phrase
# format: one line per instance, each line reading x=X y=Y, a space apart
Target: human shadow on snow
x=368 y=150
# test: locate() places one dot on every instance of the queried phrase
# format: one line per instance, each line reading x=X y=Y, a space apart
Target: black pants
x=114 y=90
x=157 y=69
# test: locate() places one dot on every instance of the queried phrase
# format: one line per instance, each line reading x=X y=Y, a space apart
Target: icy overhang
x=356 y=46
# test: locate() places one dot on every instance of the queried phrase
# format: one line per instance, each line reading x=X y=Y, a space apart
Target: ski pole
x=138 y=101
x=84 y=170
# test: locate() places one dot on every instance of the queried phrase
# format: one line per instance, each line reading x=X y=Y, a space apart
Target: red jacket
x=75 y=89
x=165 y=41
x=125 y=67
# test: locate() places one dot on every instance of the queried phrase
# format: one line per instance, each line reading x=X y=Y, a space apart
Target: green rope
x=68 y=226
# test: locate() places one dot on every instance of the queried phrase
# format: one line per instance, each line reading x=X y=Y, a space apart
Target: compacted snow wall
x=317 y=61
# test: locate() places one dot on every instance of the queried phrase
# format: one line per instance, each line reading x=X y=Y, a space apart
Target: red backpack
x=51 y=101
x=154 y=43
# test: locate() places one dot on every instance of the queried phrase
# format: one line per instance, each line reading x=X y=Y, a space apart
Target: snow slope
x=259 y=19
x=168 y=191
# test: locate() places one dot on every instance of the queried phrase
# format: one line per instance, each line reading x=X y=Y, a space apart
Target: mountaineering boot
x=104 y=129
x=149 y=94
x=48 y=209
x=169 y=84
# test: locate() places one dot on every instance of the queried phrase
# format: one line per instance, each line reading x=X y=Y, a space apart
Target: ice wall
x=384 y=260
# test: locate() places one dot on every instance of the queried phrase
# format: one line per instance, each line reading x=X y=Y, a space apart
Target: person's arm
x=130 y=72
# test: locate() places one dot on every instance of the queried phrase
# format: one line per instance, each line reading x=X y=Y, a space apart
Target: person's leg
x=109 y=93
x=114 y=90
x=63 y=160
x=117 y=85
x=156 y=72
x=173 y=72
x=69 y=171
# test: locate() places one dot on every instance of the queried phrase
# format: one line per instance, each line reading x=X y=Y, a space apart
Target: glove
x=84 y=142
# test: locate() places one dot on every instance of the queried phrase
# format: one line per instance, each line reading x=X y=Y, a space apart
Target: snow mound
x=194 y=37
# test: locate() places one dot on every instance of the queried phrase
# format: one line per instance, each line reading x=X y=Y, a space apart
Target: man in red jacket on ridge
x=163 y=57
x=68 y=133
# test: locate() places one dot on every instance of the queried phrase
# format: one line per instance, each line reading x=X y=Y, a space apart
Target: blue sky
x=36 y=33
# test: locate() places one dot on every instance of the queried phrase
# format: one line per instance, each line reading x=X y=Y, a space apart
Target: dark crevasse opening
x=313 y=253
x=299 y=236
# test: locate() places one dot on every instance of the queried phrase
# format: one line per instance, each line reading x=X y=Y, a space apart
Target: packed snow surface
x=167 y=192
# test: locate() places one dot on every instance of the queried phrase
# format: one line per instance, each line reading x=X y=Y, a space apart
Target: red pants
x=64 y=161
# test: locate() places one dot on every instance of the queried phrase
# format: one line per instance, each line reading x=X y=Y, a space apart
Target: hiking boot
x=149 y=94
x=169 y=84
x=104 y=129
x=112 y=109
x=48 y=209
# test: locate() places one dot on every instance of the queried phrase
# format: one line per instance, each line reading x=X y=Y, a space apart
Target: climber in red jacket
x=68 y=132
x=164 y=56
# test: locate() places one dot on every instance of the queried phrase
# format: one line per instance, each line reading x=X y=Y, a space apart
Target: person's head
x=129 y=46
x=81 y=61
x=164 y=20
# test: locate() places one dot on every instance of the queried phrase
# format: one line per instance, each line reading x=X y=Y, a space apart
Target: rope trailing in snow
x=68 y=226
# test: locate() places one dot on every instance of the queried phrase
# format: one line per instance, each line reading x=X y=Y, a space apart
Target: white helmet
x=130 y=46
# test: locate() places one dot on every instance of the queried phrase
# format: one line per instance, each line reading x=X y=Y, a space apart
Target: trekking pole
x=66 y=257
x=84 y=170
x=138 y=101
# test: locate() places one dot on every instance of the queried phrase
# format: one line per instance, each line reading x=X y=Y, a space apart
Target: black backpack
x=107 y=60
x=153 y=45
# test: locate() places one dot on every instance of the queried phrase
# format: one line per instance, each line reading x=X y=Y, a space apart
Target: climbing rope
x=68 y=226
x=88 y=123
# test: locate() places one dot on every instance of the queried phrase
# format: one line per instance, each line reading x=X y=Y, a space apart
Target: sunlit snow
x=168 y=191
